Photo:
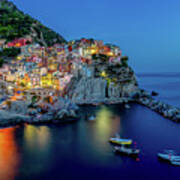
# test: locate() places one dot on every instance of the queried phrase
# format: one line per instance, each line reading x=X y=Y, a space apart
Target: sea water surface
x=81 y=150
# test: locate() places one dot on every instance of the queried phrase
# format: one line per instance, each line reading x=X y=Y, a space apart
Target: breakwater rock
x=170 y=112
x=19 y=112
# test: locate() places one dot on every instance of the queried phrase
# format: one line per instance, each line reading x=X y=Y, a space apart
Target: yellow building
x=24 y=81
x=56 y=83
x=46 y=81
x=53 y=66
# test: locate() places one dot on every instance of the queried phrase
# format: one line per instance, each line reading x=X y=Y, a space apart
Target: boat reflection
x=9 y=156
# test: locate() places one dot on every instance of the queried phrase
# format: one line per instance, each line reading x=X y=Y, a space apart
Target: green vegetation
x=124 y=61
x=49 y=36
x=100 y=56
x=1 y=62
x=22 y=84
x=34 y=99
x=15 y=24
x=10 y=52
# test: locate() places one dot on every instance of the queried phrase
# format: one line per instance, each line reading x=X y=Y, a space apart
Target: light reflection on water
x=9 y=155
x=82 y=147
x=37 y=137
x=103 y=117
x=107 y=124
x=36 y=149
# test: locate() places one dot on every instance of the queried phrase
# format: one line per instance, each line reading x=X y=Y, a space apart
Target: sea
x=80 y=150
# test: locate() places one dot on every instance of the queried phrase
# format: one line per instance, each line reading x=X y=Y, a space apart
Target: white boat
x=170 y=156
x=175 y=163
x=127 y=106
x=127 y=151
x=91 y=118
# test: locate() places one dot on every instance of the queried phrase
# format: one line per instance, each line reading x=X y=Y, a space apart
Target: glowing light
x=10 y=87
x=94 y=51
x=19 y=58
x=103 y=74
x=110 y=53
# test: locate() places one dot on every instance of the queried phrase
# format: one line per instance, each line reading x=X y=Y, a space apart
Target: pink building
x=19 y=42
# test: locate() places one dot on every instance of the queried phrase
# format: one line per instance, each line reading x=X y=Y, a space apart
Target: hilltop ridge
x=16 y=24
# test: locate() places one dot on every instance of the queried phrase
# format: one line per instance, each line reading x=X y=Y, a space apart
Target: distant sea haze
x=166 y=84
x=157 y=74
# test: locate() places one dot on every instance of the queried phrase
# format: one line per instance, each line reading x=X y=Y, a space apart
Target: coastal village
x=36 y=83
x=38 y=68
x=46 y=79
x=43 y=77
x=40 y=75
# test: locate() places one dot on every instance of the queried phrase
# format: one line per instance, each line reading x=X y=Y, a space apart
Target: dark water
x=81 y=150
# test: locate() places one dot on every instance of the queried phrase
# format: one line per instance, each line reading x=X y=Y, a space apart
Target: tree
x=124 y=60
x=15 y=24
x=22 y=84
x=10 y=52
x=1 y=62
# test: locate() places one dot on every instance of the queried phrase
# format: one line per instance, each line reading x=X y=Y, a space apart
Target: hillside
x=16 y=24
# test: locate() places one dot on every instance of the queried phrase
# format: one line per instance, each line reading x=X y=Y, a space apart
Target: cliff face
x=102 y=82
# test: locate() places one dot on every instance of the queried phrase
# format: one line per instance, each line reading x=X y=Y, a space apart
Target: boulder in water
x=154 y=93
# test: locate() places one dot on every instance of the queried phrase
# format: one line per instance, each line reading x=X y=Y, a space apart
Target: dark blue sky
x=148 y=31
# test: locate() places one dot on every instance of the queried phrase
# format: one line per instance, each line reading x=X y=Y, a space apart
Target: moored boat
x=170 y=156
x=175 y=163
x=120 y=141
x=91 y=118
x=127 y=151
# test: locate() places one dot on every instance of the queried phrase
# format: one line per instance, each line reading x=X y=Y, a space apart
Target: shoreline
x=22 y=123
x=69 y=115
x=143 y=98
x=165 y=110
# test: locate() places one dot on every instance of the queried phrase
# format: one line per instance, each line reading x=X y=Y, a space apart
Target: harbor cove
x=102 y=104
x=81 y=149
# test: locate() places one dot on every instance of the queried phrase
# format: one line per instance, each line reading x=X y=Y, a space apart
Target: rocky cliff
x=102 y=82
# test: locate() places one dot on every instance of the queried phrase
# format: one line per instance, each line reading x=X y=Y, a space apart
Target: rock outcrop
x=102 y=82
x=21 y=112
x=170 y=112
x=89 y=89
x=7 y=118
